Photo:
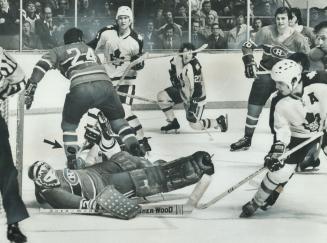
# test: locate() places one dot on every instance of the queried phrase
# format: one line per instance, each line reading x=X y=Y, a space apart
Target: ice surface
x=299 y=216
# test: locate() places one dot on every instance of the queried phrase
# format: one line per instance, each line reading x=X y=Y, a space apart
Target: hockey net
x=12 y=110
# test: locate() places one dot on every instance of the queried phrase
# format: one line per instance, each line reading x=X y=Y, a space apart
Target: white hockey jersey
x=119 y=51
x=305 y=116
x=190 y=78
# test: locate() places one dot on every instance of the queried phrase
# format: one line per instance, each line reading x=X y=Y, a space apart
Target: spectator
x=150 y=37
x=297 y=24
x=217 y=39
x=237 y=36
x=257 y=25
x=45 y=29
x=85 y=9
x=206 y=10
x=210 y=20
x=197 y=38
x=324 y=14
x=159 y=19
x=31 y=15
x=107 y=10
x=196 y=6
x=218 y=5
x=227 y=21
x=268 y=12
x=170 y=21
x=64 y=9
x=315 y=16
x=181 y=17
x=9 y=19
x=170 y=40
x=30 y=39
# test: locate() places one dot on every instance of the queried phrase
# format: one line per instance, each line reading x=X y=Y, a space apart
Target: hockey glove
x=190 y=115
x=250 y=66
x=272 y=161
x=92 y=134
x=138 y=66
x=324 y=143
x=174 y=80
x=29 y=94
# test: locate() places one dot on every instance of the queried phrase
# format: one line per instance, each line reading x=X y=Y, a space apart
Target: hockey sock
x=252 y=119
x=169 y=113
x=134 y=122
x=209 y=123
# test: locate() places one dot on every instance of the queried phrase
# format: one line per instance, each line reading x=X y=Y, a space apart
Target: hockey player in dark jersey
x=90 y=88
x=124 y=175
x=187 y=88
x=298 y=116
x=12 y=80
x=318 y=54
x=122 y=45
x=277 y=41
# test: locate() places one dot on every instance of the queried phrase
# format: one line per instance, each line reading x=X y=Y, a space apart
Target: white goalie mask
x=43 y=175
x=125 y=11
x=288 y=72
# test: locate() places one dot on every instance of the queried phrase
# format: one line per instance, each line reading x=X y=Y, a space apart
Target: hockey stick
x=158 y=210
x=250 y=177
x=137 y=97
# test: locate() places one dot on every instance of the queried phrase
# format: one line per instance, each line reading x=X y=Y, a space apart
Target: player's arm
x=137 y=53
x=283 y=137
x=47 y=62
x=59 y=198
x=12 y=76
x=248 y=59
x=97 y=42
x=173 y=75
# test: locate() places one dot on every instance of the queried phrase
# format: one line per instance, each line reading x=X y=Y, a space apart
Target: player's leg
x=261 y=90
x=77 y=103
x=195 y=121
x=167 y=99
x=130 y=116
x=11 y=200
x=273 y=183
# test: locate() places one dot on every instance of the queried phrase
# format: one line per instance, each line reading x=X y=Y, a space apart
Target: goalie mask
x=288 y=72
x=43 y=175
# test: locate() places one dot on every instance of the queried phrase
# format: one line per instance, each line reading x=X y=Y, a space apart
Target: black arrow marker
x=55 y=144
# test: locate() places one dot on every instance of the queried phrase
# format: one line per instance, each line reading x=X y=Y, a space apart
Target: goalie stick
x=259 y=171
x=154 y=209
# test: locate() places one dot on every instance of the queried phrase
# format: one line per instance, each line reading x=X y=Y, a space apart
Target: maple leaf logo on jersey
x=313 y=122
x=117 y=60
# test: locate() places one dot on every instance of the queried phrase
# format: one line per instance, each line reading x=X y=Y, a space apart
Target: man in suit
x=217 y=39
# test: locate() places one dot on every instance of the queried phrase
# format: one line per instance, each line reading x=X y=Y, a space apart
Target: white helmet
x=126 y=11
x=288 y=72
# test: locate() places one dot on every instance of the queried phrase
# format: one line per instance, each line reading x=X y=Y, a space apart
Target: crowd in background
x=164 y=24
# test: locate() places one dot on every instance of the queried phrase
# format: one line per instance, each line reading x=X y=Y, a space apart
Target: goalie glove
x=272 y=161
x=29 y=93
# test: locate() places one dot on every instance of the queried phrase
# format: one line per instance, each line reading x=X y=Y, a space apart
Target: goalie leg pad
x=148 y=181
x=129 y=162
x=118 y=205
x=187 y=170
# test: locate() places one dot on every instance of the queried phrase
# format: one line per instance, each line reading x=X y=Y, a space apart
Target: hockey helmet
x=43 y=175
x=125 y=11
x=288 y=72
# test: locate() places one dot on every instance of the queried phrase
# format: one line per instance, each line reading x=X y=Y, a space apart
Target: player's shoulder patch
x=196 y=66
x=311 y=75
x=137 y=37
x=70 y=176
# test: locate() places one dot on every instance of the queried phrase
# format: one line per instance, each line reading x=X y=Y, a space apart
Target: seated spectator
x=205 y=11
x=169 y=40
x=226 y=21
x=196 y=6
x=108 y=10
x=45 y=29
x=217 y=39
x=38 y=8
x=30 y=39
x=315 y=16
x=150 y=37
x=31 y=15
x=206 y=30
x=170 y=21
x=159 y=19
x=297 y=24
x=257 y=25
x=218 y=5
x=238 y=35
x=85 y=9
x=268 y=12
x=181 y=17
x=9 y=19
x=64 y=9
x=197 y=38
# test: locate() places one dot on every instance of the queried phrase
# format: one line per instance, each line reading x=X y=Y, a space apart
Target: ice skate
x=14 y=234
x=308 y=165
x=249 y=209
x=242 y=144
x=222 y=123
x=173 y=125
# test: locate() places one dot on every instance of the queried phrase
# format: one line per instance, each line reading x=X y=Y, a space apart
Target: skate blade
x=171 y=131
x=241 y=149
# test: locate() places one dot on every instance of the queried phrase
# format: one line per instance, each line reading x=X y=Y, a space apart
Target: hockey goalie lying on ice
x=117 y=180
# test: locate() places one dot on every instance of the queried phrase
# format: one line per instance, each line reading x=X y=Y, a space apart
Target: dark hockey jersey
x=76 y=61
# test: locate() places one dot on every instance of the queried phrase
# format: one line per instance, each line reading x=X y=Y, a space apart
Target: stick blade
x=199 y=190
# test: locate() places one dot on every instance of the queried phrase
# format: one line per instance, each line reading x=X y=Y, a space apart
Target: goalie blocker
x=118 y=179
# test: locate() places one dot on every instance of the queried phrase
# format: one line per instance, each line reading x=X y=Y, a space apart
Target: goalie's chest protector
x=307 y=114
